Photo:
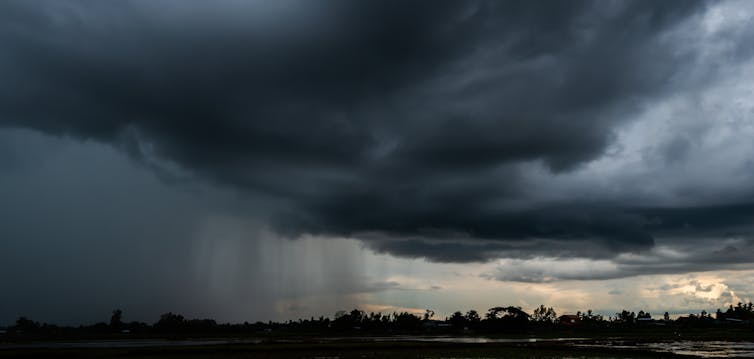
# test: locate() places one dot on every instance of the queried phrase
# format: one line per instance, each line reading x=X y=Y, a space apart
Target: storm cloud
x=444 y=130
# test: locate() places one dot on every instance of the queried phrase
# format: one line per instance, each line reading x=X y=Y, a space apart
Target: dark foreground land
x=655 y=342
x=349 y=349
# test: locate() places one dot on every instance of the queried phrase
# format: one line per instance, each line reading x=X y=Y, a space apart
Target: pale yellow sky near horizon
x=383 y=283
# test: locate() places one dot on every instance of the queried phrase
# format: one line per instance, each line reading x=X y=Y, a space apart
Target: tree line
x=509 y=319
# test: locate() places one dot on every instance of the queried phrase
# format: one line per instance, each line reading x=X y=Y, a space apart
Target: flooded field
x=445 y=347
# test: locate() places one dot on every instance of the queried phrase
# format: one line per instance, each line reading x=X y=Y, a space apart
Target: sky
x=271 y=160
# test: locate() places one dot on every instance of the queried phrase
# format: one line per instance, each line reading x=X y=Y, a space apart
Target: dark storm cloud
x=675 y=256
x=576 y=232
x=700 y=259
x=401 y=123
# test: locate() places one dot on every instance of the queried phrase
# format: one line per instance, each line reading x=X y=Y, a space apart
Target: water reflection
x=701 y=349
x=473 y=340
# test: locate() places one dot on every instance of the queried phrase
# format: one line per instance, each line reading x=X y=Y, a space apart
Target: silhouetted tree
x=472 y=316
x=458 y=321
x=506 y=319
x=543 y=315
x=625 y=317
x=115 y=319
x=406 y=321
x=348 y=321
x=170 y=322
x=473 y=319
x=589 y=319
x=428 y=314
x=26 y=325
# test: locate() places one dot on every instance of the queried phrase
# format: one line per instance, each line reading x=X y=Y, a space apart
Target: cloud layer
x=452 y=131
